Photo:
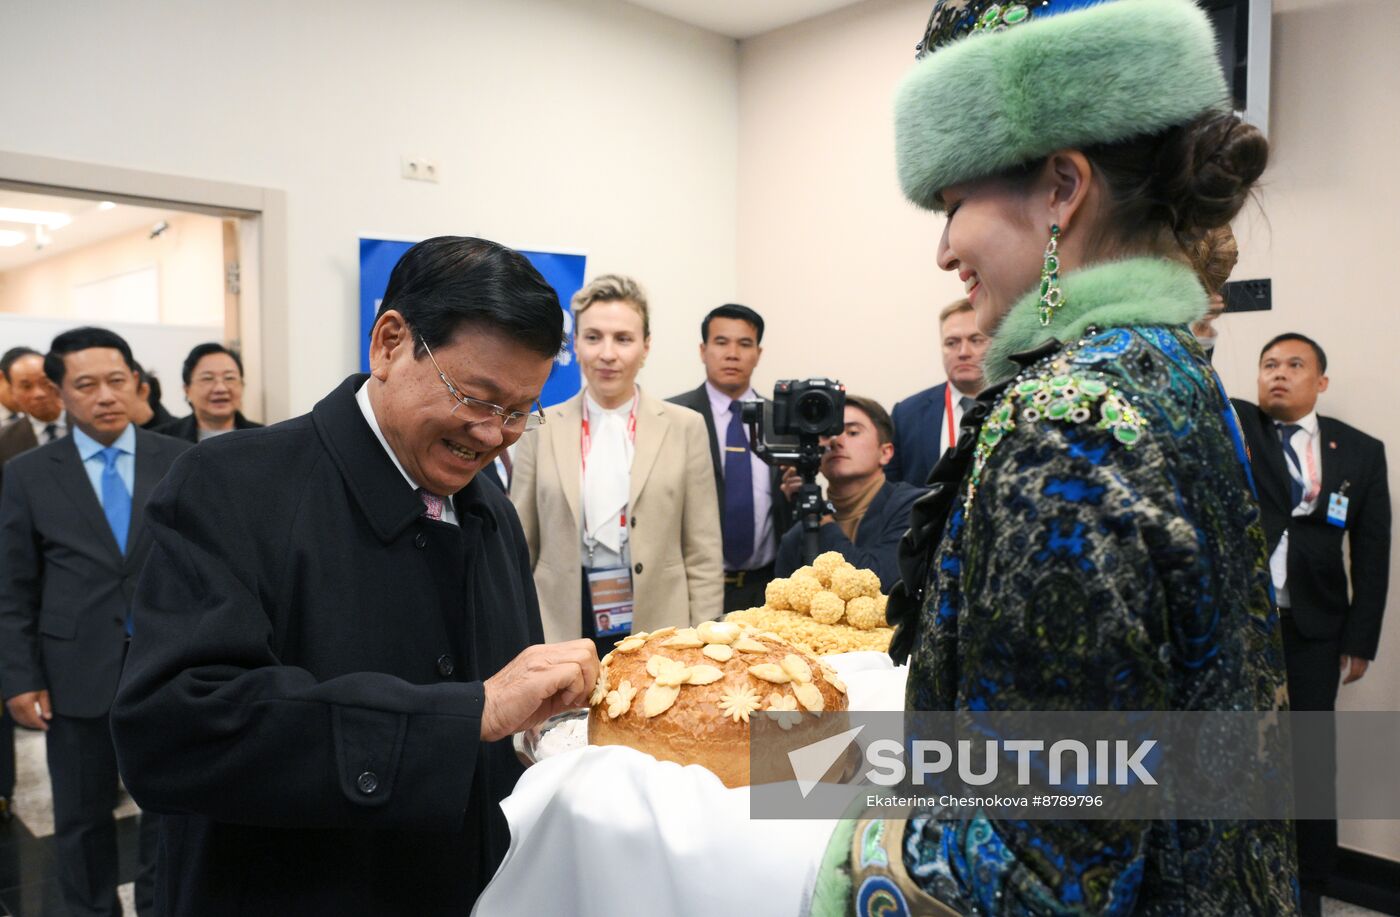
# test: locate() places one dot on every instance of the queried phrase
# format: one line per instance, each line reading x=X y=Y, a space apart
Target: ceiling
x=742 y=18
x=90 y=224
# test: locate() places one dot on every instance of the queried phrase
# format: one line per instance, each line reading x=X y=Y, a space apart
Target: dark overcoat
x=303 y=696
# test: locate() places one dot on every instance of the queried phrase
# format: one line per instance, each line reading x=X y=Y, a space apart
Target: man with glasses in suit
x=338 y=631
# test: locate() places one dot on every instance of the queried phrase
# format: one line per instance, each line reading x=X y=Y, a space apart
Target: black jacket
x=187 y=428
x=699 y=400
x=65 y=586
x=877 y=539
x=303 y=695
x=1317 y=575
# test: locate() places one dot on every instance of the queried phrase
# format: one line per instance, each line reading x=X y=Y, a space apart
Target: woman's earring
x=1051 y=296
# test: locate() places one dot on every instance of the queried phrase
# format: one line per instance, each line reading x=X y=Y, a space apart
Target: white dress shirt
x=60 y=428
x=606 y=481
x=765 y=546
x=950 y=425
x=1308 y=445
x=449 y=514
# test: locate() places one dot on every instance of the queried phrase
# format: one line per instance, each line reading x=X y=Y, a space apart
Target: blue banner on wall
x=563 y=272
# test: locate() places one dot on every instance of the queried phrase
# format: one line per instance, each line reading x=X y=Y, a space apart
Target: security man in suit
x=1320 y=481
x=72 y=541
x=926 y=424
x=754 y=513
x=41 y=419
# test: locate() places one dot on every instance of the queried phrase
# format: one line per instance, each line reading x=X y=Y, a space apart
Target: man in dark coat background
x=336 y=634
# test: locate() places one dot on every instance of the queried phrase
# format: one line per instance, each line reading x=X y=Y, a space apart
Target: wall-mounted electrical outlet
x=418 y=168
x=1248 y=295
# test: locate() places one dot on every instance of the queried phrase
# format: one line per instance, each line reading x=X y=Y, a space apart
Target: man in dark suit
x=1319 y=481
x=870 y=511
x=40 y=420
x=754 y=513
x=926 y=424
x=335 y=632
x=73 y=539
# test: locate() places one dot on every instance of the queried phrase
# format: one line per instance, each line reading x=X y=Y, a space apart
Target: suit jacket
x=303 y=695
x=187 y=428
x=877 y=539
x=16 y=437
x=677 y=565
x=1317 y=575
x=66 y=587
x=698 y=400
x=918 y=422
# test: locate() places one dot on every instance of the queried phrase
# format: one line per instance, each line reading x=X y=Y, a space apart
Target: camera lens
x=814 y=410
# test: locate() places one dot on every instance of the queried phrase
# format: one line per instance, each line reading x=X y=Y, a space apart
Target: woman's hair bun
x=1207 y=169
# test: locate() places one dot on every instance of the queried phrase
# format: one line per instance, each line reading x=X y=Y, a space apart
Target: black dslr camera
x=788 y=431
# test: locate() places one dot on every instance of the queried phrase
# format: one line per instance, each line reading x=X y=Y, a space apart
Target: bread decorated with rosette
x=686 y=695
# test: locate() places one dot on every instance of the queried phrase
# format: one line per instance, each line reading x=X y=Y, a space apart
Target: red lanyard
x=585 y=441
x=948 y=415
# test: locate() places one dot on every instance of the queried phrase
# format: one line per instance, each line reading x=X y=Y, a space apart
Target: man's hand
x=540 y=682
x=1353 y=667
x=791 y=483
x=31 y=709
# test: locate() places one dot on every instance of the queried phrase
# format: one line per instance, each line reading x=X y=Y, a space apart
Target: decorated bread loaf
x=686 y=695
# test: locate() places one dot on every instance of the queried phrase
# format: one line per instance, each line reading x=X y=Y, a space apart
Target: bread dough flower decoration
x=739 y=703
x=670 y=674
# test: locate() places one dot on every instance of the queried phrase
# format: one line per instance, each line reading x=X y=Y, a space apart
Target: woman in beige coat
x=621 y=485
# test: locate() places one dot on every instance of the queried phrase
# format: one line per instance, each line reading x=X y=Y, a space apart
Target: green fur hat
x=1003 y=83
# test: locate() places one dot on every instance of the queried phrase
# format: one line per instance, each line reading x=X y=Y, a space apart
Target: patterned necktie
x=1295 y=479
x=116 y=501
x=50 y=433
x=738 y=492
x=432 y=505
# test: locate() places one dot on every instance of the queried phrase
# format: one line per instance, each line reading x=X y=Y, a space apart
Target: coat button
x=368 y=782
x=634 y=522
x=421 y=540
x=637 y=569
x=445 y=666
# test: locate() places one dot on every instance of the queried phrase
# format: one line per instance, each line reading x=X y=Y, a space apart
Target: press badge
x=610 y=589
x=1337 y=510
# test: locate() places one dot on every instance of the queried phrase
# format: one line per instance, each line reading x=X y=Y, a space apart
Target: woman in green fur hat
x=1094 y=542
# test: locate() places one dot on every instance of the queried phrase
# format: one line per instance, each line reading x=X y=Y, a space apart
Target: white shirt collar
x=367 y=409
x=596 y=409
x=1308 y=422
x=39 y=425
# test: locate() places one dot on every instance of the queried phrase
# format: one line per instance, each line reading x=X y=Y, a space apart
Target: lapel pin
x=1331 y=444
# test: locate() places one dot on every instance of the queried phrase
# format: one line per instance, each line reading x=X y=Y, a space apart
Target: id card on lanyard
x=610 y=590
x=610 y=586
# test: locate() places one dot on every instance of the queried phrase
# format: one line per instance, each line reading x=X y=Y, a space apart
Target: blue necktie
x=1285 y=434
x=738 y=492
x=116 y=502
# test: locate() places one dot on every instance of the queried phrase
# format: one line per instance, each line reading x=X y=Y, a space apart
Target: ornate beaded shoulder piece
x=1053 y=391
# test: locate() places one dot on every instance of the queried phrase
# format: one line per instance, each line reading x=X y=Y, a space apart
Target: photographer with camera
x=866 y=514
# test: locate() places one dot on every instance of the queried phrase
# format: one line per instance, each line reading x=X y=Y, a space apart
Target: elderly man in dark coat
x=337 y=631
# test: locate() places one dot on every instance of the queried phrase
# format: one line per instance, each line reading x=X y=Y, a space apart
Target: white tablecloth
x=612 y=832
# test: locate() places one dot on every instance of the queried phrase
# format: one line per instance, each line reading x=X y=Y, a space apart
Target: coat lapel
x=1332 y=449
x=651 y=430
x=74 y=484
x=1273 y=477
x=564 y=433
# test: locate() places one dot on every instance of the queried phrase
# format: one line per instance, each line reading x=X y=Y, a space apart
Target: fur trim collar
x=1134 y=291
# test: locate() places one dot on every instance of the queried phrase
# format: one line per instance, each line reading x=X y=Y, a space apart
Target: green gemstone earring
x=1051 y=296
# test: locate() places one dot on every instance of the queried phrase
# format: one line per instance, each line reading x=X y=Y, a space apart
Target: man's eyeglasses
x=474 y=410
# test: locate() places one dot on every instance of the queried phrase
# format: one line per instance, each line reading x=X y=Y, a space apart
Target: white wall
x=843 y=268
x=586 y=125
x=188 y=258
